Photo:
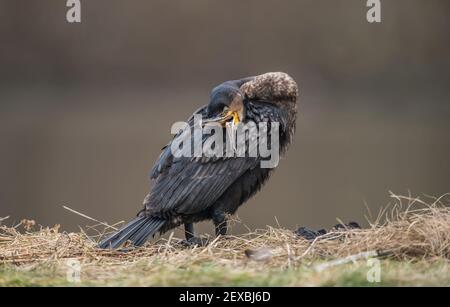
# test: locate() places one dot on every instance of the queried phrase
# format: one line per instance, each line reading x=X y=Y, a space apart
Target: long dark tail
x=137 y=232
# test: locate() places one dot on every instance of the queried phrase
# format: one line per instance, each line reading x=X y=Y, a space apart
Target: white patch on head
x=274 y=86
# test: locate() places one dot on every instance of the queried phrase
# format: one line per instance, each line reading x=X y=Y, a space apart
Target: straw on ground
x=411 y=237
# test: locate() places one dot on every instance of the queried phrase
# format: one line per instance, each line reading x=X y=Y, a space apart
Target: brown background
x=85 y=108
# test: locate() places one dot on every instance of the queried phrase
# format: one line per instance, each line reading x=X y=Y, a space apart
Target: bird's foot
x=195 y=241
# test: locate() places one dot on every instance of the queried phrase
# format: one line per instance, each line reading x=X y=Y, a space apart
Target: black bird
x=188 y=190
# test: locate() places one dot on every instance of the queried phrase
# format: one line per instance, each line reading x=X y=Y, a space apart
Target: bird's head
x=276 y=88
x=226 y=104
x=229 y=99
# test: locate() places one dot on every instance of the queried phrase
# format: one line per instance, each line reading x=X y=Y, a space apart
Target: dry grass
x=410 y=231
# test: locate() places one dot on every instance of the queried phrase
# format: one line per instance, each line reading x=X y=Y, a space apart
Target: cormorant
x=187 y=190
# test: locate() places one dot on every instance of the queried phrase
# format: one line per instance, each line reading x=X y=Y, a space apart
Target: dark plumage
x=188 y=190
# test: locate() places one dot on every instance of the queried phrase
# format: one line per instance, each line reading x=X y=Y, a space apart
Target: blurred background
x=85 y=108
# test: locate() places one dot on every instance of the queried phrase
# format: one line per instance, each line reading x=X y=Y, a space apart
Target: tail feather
x=137 y=231
x=127 y=232
x=115 y=237
x=140 y=237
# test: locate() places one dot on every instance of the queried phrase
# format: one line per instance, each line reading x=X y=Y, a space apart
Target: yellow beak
x=234 y=115
x=224 y=118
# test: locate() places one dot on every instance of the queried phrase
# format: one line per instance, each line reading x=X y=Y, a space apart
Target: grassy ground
x=411 y=247
x=393 y=273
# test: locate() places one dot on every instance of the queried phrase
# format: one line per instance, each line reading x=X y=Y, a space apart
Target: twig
x=351 y=258
x=89 y=218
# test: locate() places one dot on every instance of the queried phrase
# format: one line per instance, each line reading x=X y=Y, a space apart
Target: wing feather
x=184 y=185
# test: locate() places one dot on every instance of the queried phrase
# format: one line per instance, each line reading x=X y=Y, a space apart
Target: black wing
x=184 y=185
